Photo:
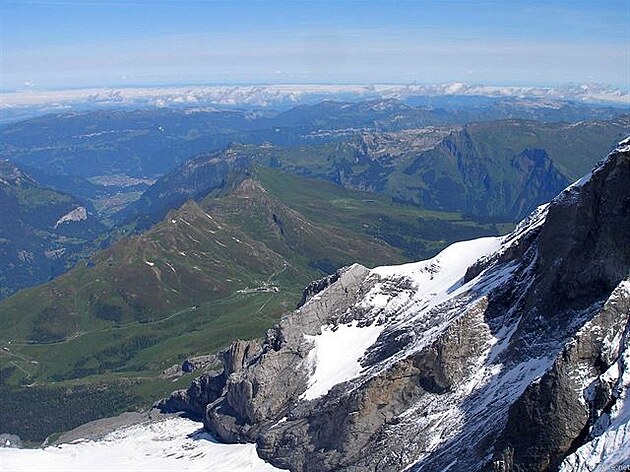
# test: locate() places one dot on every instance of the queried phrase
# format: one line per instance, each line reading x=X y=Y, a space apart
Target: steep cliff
x=499 y=354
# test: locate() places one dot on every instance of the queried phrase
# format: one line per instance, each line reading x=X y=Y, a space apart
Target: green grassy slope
x=212 y=271
x=573 y=147
x=499 y=169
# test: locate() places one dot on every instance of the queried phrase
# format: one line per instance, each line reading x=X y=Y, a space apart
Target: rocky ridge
x=499 y=354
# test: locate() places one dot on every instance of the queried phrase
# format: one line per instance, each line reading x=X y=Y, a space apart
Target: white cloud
x=283 y=94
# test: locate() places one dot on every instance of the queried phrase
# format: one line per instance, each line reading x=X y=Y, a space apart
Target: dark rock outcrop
x=190 y=364
x=193 y=401
x=553 y=417
x=317 y=286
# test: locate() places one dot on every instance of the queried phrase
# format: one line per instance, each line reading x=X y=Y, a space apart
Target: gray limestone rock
x=262 y=384
x=507 y=371
x=192 y=401
x=317 y=286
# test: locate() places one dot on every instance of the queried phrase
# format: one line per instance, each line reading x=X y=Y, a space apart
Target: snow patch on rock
x=336 y=355
x=610 y=447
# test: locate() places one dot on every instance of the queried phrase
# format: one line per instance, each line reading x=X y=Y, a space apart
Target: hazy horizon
x=70 y=44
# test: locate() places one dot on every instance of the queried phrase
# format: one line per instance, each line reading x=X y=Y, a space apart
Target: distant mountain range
x=499 y=170
x=147 y=143
x=490 y=171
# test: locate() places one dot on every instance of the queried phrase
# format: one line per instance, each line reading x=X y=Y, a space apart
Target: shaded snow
x=623 y=146
x=174 y=444
x=582 y=180
x=610 y=450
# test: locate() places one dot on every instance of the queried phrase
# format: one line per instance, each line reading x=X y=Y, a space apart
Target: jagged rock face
x=255 y=395
x=317 y=286
x=499 y=354
x=193 y=401
x=554 y=414
x=587 y=220
x=606 y=438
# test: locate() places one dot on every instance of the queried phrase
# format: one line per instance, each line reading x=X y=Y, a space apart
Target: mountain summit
x=499 y=354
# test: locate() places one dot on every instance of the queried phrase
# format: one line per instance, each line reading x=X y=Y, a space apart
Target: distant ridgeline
x=104 y=165
x=497 y=170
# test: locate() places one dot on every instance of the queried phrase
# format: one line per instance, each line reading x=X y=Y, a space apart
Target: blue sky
x=83 y=43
